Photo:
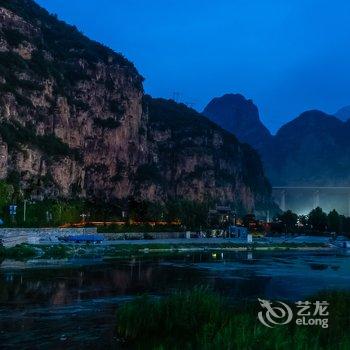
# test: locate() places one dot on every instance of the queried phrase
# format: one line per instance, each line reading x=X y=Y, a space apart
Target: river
x=74 y=305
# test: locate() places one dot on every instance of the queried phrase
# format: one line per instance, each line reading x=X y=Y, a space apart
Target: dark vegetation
x=14 y=134
x=109 y=123
x=18 y=252
x=201 y=319
x=316 y=222
x=46 y=213
x=25 y=251
x=63 y=39
x=66 y=46
x=13 y=36
x=149 y=172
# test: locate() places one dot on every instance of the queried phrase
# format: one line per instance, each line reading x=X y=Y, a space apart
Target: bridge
x=281 y=194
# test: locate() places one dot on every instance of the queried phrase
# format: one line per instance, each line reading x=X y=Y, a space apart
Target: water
x=75 y=306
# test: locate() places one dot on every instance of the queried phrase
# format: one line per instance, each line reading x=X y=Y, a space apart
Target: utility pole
x=24 y=210
x=283 y=200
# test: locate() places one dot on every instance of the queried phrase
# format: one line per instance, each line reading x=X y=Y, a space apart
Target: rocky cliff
x=195 y=158
x=71 y=109
x=74 y=122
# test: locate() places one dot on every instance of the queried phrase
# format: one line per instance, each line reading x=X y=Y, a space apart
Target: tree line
x=317 y=221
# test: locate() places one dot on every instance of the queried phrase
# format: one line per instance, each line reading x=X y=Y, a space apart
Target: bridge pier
x=283 y=200
x=314 y=191
x=316 y=199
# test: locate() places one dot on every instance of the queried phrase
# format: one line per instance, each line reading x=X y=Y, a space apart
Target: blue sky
x=288 y=56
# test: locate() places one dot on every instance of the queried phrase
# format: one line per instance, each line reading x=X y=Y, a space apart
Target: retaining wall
x=9 y=237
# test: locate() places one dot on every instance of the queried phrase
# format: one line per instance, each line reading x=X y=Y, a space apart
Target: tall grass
x=200 y=319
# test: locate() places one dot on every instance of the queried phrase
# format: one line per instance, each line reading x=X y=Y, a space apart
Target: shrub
x=15 y=134
x=13 y=36
x=20 y=252
x=149 y=172
x=109 y=123
x=59 y=251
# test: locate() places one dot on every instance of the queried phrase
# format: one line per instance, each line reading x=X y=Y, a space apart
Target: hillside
x=312 y=149
x=343 y=113
x=74 y=123
x=198 y=159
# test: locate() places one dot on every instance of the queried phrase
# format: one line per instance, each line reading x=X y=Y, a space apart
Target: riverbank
x=122 y=249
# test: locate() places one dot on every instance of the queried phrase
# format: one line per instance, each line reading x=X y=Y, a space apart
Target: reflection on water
x=62 y=307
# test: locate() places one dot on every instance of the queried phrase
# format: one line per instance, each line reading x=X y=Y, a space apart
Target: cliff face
x=195 y=158
x=74 y=122
x=71 y=109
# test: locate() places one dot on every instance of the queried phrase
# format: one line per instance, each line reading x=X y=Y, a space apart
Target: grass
x=125 y=250
x=27 y=251
x=201 y=319
x=59 y=251
x=18 y=252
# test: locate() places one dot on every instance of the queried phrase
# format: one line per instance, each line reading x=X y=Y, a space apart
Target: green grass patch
x=18 y=252
x=59 y=251
x=201 y=319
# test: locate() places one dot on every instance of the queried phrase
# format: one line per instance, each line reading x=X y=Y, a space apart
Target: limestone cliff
x=74 y=122
x=193 y=157
x=70 y=108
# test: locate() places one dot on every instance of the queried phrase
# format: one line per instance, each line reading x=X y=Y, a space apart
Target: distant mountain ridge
x=343 y=113
x=240 y=116
x=312 y=149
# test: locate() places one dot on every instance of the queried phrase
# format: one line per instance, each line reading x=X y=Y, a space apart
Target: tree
x=318 y=220
x=289 y=220
x=346 y=225
x=334 y=221
x=6 y=193
x=191 y=214
x=303 y=220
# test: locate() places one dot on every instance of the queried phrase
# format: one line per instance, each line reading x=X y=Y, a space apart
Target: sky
x=288 y=56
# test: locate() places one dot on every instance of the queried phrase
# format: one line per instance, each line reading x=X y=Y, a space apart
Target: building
x=221 y=216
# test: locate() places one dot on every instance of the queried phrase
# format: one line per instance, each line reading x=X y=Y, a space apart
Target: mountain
x=240 y=116
x=343 y=113
x=195 y=157
x=313 y=149
x=74 y=122
x=71 y=109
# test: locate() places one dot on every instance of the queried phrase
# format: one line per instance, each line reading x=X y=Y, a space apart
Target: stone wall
x=142 y=235
x=10 y=237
